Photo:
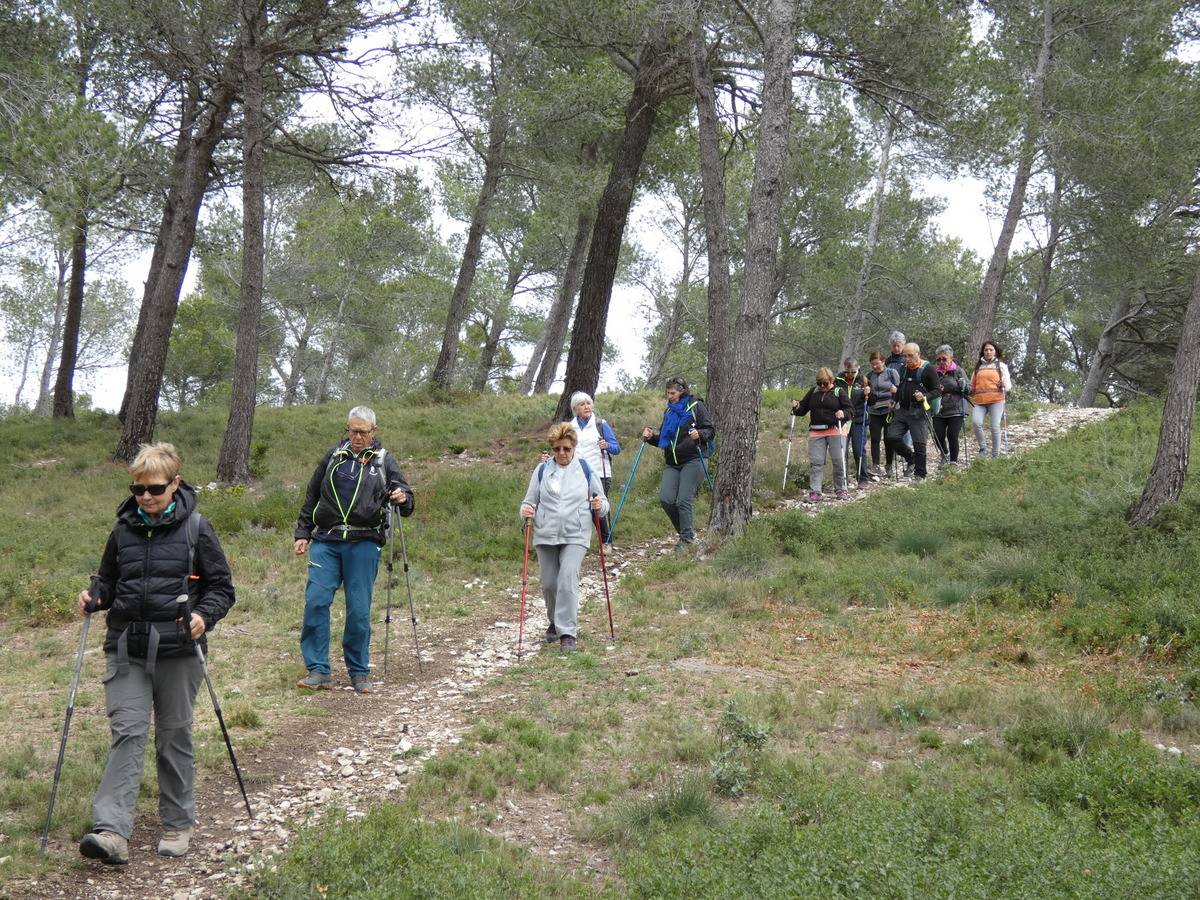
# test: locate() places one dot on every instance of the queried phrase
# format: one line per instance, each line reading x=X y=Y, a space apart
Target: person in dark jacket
x=918 y=385
x=343 y=526
x=895 y=362
x=686 y=428
x=948 y=422
x=165 y=584
x=828 y=408
x=854 y=384
x=882 y=384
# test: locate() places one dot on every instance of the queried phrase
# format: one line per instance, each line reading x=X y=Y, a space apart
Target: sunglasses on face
x=943 y=359
x=155 y=490
x=564 y=449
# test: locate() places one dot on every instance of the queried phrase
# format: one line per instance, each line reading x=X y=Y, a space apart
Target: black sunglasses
x=156 y=490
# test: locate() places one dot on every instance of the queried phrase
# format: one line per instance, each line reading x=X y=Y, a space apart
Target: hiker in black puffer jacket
x=165 y=583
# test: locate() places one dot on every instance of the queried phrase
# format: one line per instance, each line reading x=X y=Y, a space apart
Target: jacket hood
x=185 y=503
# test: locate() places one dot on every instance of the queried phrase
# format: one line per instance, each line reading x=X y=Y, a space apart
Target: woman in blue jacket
x=685 y=428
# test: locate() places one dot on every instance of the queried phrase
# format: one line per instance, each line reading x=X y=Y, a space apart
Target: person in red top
x=827 y=406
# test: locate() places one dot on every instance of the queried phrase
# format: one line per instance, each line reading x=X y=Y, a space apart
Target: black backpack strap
x=193 y=535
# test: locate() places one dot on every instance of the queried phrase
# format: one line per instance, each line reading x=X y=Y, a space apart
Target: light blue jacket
x=561 y=496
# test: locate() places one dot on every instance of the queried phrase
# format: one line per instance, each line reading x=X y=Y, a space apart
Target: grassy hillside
x=950 y=691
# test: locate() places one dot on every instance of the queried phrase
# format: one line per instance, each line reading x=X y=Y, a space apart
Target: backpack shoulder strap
x=587 y=472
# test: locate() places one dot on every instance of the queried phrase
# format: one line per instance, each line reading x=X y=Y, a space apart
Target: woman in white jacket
x=564 y=494
x=597 y=444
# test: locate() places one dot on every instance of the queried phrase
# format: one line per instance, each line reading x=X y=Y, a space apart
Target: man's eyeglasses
x=361 y=432
x=943 y=359
x=155 y=490
x=565 y=448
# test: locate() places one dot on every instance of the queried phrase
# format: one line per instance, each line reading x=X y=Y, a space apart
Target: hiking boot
x=174 y=842
x=566 y=644
x=551 y=635
x=107 y=846
x=814 y=496
x=361 y=684
x=908 y=470
x=890 y=472
x=841 y=494
x=862 y=484
x=315 y=681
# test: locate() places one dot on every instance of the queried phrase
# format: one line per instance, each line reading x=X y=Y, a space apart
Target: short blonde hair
x=824 y=374
x=562 y=431
x=159 y=459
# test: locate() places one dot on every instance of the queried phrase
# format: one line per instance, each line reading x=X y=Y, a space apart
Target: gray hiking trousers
x=129 y=698
x=558 y=571
x=677 y=495
x=817 y=448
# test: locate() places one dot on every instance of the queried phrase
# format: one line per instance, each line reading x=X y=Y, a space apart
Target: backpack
x=587 y=471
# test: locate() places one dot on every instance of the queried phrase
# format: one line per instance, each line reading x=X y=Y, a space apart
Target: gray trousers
x=558 y=571
x=995 y=414
x=677 y=494
x=817 y=447
x=129 y=698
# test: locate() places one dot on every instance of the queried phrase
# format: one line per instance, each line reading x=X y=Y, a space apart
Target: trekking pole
x=387 y=618
x=1004 y=428
x=787 y=459
x=936 y=440
x=604 y=571
x=88 y=609
x=412 y=612
x=704 y=466
x=628 y=481
x=221 y=721
x=524 y=587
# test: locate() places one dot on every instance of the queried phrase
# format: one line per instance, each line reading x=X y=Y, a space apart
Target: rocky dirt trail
x=370 y=748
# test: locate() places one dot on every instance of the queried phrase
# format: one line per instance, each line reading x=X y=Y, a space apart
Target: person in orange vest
x=989 y=391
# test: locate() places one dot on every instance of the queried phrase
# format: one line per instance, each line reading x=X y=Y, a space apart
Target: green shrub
x=1043 y=733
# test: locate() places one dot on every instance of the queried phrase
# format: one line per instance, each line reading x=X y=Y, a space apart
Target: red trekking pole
x=524 y=588
x=604 y=571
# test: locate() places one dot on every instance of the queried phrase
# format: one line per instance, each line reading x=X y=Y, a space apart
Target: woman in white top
x=562 y=497
x=597 y=443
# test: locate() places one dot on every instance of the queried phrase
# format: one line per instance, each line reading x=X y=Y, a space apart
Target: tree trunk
x=1041 y=299
x=42 y=407
x=1165 y=484
x=733 y=496
x=856 y=317
x=1102 y=359
x=655 y=374
x=160 y=302
x=64 y=382
x=233 y=464
x=555 y=334
x=291 y=385
x=443 y=370
x=330 y=353
x=26 y=360
x=487 y=358
x=993 y=281
x=591 y=317
x=716 y=228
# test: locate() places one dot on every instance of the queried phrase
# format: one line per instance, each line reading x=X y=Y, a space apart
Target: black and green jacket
x=347 y=496
x=681 y=449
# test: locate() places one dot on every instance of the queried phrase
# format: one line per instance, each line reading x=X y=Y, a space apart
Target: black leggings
x=947 y=429
x=878 y=422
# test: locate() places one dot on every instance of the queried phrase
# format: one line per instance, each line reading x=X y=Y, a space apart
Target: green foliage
x=392 y=853
x=681 y=801
x=1122 y=784
x=1042 y=734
